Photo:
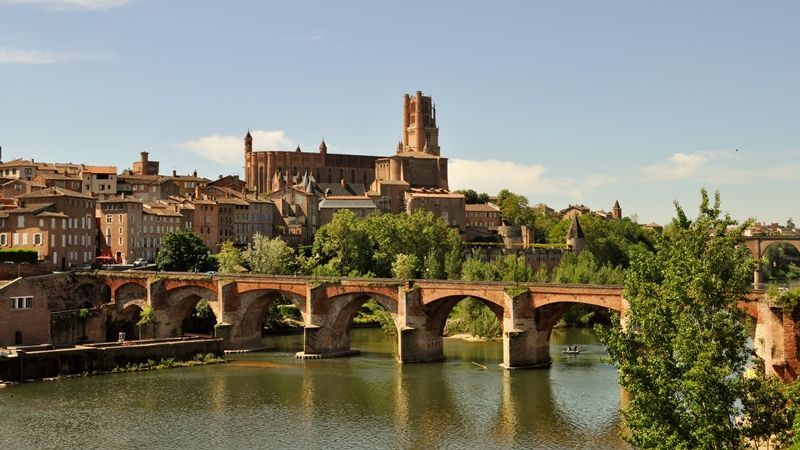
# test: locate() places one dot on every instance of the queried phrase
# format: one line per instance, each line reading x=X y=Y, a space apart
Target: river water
x=271 y=400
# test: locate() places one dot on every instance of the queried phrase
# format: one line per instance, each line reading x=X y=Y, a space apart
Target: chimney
x=144 y=159
x=174 y=173
x=194 y=174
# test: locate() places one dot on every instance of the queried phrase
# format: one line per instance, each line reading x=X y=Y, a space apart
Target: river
x=271 y=400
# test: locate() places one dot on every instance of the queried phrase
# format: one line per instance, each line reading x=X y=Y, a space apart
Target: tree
x=405 y=267
x=369 y=246
x=229 y=258
x=471 y=197
x=183 y=251
x=514 y=208
x=146 y=318
x=270 y=256
x=682 y=351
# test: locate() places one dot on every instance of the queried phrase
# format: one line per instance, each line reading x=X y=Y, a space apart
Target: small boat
x=568 y=351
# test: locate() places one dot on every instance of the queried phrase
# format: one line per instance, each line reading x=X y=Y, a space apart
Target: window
x=120 y=218
x=22 y=302
x=24 y=238
x=108 y=218
x=3 y=239
x=37 y=239
x=20 y=221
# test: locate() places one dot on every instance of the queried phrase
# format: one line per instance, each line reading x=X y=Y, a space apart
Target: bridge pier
x=416 y=342
x=524 y=345
x=323 y=335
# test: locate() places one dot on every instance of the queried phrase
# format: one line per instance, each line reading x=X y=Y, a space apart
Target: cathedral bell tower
x=420 y=133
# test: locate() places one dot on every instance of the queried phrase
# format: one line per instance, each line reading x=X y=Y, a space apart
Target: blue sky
x=565 y=102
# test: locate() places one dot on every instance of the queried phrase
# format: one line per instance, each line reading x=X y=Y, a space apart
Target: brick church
x=414 y=177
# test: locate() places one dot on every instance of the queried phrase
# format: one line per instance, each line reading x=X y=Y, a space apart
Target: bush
x=17 y=255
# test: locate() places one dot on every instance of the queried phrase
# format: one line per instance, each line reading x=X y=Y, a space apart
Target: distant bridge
x=527 y=312
x=758 y=246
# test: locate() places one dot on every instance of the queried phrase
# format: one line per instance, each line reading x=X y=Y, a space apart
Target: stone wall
x=100 y=357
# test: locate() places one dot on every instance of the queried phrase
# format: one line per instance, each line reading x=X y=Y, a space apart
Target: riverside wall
x=47 y=362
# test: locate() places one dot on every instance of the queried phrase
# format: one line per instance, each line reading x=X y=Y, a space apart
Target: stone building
x=57 y=223
x=59 y=180
x=482 y=215
x=24 y=313
x=99 y=180
x=144 y=166
x=449 y=206
x=416 y=163
x=263 y=168
x=121 y=223
x=15 y=188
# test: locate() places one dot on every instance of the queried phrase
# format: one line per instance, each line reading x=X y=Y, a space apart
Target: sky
x=564 y=102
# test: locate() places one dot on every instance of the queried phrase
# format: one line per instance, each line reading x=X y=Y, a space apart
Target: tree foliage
x=369 y=246
x=471 y=197
x=270 y=256
x=682 y=351
x=229 y=258
x=514 y=208
x=183 y=251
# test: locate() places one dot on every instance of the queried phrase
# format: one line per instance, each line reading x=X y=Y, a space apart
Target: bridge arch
x=345 y=307
x=181 y=302
x=125 y=321
x=93 y=294
x=764 y=244
x=130 y=293
x=440 y=309
x=253 y=306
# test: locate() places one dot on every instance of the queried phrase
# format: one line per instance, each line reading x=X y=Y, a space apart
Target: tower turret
x=248 y=142
x=323 y=148
x=616 y=211
x=419 y=124
x=575 y=238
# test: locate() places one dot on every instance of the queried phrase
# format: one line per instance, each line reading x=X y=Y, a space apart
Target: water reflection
x=273 y=400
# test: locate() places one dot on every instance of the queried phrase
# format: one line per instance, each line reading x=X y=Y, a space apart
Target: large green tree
x=682 y=350
x=514 y=208
x=229 y=258
x=183 y=251
x=350 y=245
x=270 y=256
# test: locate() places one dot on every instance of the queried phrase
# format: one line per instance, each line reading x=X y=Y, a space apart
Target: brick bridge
x=758 y=246
x=419 y=309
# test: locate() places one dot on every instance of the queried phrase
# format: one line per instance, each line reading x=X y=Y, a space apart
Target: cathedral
x=417 y=163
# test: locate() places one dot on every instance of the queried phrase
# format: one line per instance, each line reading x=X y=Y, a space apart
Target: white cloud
x=229 y=150
x=718 y=166
x=71 y=4
x=26 y=56
x=679 y=165
x=491 y=176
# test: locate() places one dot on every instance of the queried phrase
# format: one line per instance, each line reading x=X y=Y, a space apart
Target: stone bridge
x=758 y=246
x=419 y=308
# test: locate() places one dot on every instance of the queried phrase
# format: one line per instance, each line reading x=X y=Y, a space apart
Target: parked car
x=140 y=262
